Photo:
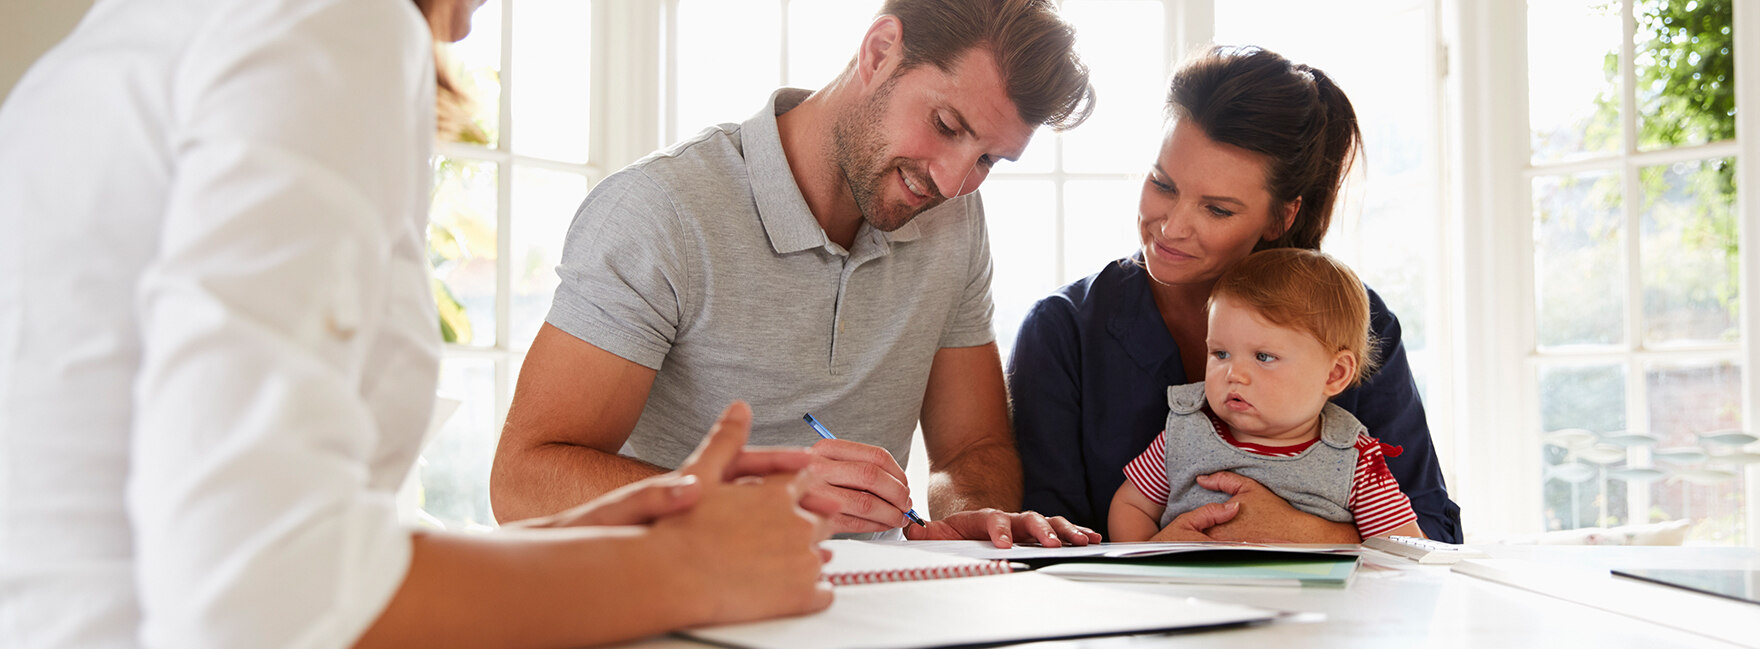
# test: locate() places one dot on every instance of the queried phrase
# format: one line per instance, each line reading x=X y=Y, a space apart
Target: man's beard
x=859 y=150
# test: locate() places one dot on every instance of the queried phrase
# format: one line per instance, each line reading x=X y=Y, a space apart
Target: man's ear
x=881 y=51
x=1344 y=371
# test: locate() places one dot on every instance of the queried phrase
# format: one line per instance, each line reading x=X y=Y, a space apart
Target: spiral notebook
x=858 y=562
x=912 y=602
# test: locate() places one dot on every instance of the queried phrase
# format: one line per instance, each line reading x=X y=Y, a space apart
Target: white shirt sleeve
x=285 y=268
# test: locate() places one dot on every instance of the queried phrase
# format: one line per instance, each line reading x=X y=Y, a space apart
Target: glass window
x=1686 y=72
x=552 y=48
x=1688 y=247
x=1021 y=215
x=1099 y=224
x=544 y=204
x=453 y=473
x=1123 y=44
x=1581 y=409
x=1579 y=246
x=1696 y=457
x=1636 y=268
x=502 y=202
x=822 y=38
x=729 y=60
x=474 y=65
x=462 y=248
x=1570 y=73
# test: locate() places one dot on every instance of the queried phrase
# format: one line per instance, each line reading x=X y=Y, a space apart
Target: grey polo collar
x=781 y=208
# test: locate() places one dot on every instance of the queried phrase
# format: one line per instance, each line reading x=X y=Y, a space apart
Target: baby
x=1289 y=329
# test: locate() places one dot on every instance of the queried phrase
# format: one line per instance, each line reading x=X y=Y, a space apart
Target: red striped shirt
x=1375 y=502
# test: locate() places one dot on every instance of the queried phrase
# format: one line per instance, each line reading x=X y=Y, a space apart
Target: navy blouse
x=1088 y=392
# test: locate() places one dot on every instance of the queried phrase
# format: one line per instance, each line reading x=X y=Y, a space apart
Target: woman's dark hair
x=1293 y=115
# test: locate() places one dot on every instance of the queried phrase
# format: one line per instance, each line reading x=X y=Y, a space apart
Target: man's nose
x=959 y=175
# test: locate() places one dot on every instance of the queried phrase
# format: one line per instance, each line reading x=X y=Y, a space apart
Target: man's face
x=923 y=136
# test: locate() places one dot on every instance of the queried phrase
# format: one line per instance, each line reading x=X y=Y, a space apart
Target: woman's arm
x=745 y=552
x=1044 y=390
x=725 y=545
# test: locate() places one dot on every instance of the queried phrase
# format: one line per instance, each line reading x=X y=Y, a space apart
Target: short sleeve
x=1376 y=502
x=624 y=276
x=969 y=325
x=1148 y=472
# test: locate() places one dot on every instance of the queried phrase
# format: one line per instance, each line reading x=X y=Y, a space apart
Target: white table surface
x=1396 y=603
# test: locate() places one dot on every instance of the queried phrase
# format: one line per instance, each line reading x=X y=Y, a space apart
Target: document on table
x=1016 y=607
x=1225 y=568
x=1036 y=555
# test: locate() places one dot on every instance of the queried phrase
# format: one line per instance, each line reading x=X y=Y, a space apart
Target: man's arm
x=974 y=473
x=572 y=410
x=972 y=461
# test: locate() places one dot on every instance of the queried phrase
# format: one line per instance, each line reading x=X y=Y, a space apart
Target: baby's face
x=1268 y=382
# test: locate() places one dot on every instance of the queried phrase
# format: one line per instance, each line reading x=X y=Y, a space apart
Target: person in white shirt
x=218 y=353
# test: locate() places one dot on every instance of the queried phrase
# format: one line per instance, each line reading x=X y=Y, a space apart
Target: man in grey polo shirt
x=825 y=256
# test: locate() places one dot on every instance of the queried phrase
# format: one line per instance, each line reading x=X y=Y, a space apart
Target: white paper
x=1014 y=607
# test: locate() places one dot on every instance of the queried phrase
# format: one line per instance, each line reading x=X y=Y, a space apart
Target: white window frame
x=501 y=352
x=1488 y=95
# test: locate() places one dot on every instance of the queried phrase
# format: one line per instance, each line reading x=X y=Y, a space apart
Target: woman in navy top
x=1254 y=154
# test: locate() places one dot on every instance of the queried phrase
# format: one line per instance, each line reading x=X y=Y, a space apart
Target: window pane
x=1689 y=253
x=1123 y=44
x=475 y=67
x=462 y=249
x=822 y=38
x=729 y=60
x=1579 y=279
x=1571 y=74
x=1582 y=408
x=454 y=467
x=544 y=203
x=1020 y=215
x=1686 y=72
x=1099 y=224
x=552 y=51
x=1693 y=408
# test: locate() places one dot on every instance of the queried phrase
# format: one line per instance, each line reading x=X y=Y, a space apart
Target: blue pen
x=823 y=432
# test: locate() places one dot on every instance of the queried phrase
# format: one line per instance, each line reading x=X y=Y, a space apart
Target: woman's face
x=1204 y=207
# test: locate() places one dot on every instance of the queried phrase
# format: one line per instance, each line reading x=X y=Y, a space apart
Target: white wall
x=30 y=27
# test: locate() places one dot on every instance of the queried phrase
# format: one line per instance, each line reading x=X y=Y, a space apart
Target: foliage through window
x=1636 y=272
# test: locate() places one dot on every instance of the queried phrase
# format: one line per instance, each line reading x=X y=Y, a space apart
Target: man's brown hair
x=1034 y=50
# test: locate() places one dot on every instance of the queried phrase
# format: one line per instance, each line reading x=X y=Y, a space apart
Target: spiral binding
x=916 y=574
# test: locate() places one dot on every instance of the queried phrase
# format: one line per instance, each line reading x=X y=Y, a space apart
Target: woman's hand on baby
x=1262 y=516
